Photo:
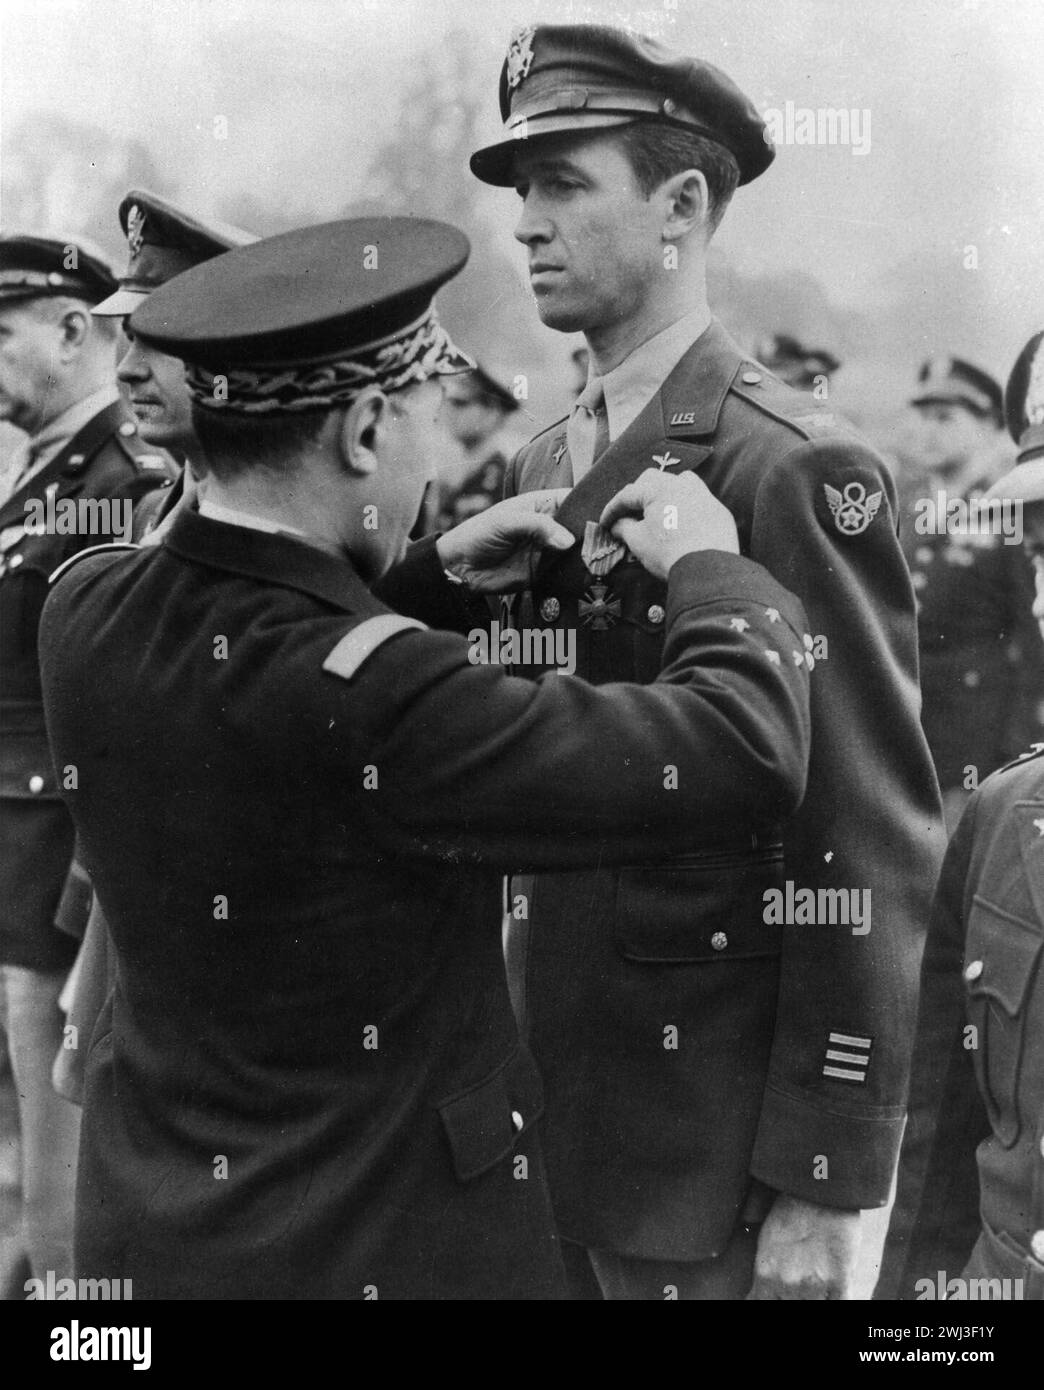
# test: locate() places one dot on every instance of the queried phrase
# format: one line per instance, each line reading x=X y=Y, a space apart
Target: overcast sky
x=953 y=91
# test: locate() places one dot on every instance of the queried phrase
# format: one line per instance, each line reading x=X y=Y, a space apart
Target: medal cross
x=596 y=609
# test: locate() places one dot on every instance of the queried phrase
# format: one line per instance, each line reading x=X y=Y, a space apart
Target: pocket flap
x=483 y=1123
x=699 y=912
x=25 y=767
x=1000 y=955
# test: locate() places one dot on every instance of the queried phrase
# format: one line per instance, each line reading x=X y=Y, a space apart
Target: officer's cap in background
x=163 y=241
x=1024 y=412
x=952 y=381
x=308 y=319
x=580 y=77
x=795 y=362
x=485 y=385
x=36 y=267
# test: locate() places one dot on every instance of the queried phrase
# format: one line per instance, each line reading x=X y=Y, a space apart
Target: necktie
x=587 y=434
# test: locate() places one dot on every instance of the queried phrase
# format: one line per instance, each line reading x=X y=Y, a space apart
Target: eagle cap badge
x=852 y=509
x=135 y=229
x=520 y=55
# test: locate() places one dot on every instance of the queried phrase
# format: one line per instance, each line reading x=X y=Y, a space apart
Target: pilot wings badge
x=520 y=55
x=852 y=509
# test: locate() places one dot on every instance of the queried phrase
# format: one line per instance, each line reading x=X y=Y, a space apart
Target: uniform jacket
x=972 y=1164
x=302 y=881
x=793 y=1049
x=981 y=655
x=104 y=460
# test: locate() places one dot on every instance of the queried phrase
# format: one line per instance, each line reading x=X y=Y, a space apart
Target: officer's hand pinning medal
x=660 y=518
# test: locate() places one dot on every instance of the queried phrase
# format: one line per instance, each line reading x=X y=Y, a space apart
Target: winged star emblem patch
x=852 y=509
x=520 y=55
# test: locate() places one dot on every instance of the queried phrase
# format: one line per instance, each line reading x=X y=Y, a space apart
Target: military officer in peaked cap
x=968 y=1220
x=307 y=1081
x=738 y=1160
x=162 y=241
x=981 y=657
x=80 y=472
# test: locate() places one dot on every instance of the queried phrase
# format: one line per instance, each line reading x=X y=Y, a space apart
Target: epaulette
x=1035 y=750
x=359 y=645
x=783 y=404
x=67 y=565
x=537 y=437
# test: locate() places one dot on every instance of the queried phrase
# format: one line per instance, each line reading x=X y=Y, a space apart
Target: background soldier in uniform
x=981 y=657
x=307 y=1081
x=57 y=383
x=477 y=406
x=970 y=1197
x=784 y=1097
x=163 y=240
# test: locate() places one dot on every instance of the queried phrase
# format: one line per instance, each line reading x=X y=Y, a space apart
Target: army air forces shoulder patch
x=852 y=508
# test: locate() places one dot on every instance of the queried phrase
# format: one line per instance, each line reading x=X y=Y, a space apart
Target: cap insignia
x=135 y=229
x=520 y=55
x=1034 y=408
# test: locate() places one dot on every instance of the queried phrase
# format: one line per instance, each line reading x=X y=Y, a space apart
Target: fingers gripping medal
x=601 y=550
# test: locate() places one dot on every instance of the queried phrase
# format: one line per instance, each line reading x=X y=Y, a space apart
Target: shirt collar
x=233 y=516
x=631 y=385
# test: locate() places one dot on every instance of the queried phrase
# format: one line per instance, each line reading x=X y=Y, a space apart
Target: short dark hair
x=236 y=444
x=657 y=151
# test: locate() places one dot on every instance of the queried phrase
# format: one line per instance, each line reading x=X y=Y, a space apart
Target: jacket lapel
x=71 y=459
x=670 y=433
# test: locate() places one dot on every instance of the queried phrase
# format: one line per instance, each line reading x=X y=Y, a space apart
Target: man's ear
x=687 y=204
x=75 y=328
x=360 y=431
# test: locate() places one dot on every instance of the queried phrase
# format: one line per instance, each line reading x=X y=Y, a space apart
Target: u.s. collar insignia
x=556 y=457
x=520 y=55
x=683 y=417
x=600 y=550
x=665 y=460
x=852 y=509
x=135 y=229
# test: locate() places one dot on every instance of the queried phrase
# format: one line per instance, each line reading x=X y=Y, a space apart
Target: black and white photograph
x=521 y=663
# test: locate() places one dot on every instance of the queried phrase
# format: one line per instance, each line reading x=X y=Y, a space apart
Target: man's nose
x=132 y=365
x=533 y=225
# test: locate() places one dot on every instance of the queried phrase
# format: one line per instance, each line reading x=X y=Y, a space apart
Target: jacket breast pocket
x=26 y=770
x=708 y=908
x=1001 y=955
x=484 y=1122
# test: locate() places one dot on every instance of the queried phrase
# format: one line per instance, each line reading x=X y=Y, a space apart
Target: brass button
x=128 y=428
x=1037 y=1245
x=719 y=941
x=1042 y=1146
x=656 y=614
x=924 y=554
x=15 y=561
x=550 y=609
x=36 y=784
x=516 y=1119
x=971 y=679
x=919 y=579
x=751 y=378
x=973 y=971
